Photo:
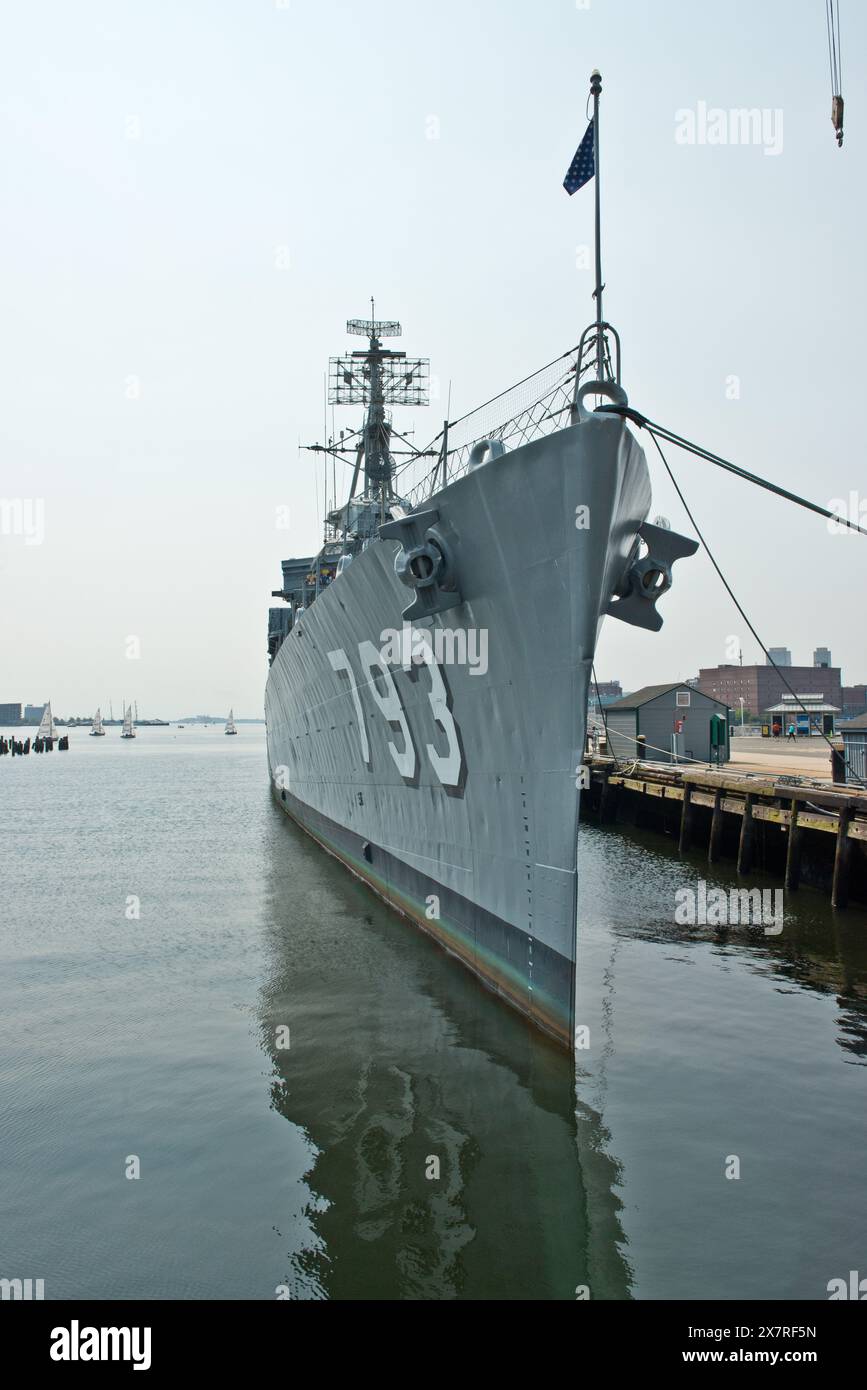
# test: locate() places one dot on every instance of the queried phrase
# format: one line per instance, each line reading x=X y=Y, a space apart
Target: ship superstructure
x=377 y=378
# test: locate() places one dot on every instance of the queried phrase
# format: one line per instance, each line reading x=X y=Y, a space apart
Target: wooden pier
x=795 y=827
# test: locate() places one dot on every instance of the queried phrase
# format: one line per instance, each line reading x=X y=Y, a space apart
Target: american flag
x=583 y=166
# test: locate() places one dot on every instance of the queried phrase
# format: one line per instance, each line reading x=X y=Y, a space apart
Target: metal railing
x=536 y=406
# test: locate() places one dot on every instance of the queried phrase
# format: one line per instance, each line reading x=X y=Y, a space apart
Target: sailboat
x=46 y=731
x=128 y=730
x=97 y=731
x=230 y=724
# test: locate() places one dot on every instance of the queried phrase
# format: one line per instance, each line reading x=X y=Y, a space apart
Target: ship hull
x=450 y=784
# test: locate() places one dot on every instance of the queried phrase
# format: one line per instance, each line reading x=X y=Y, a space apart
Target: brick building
x=608 y=691
x=761 y=686
x=854 y=701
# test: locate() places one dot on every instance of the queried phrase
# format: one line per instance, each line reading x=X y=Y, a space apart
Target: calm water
x=305 y=1166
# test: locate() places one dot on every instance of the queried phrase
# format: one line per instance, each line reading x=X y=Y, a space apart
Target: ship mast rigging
x=376 y=377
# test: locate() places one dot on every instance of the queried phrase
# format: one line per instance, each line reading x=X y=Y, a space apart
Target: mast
x=378 y=463
x=376 y=377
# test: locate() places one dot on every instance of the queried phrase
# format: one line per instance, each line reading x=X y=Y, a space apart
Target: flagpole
x=595 y=89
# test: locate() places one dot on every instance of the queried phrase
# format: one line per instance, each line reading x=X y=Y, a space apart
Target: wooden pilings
x=807 y=813
x=746 y=843
x=608 y=800
x=842 y=859
x=716 y=825
x=19 y=749
x=793 y=849
x=686 y=818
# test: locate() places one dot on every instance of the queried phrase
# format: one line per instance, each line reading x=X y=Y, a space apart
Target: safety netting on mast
x=533 y=407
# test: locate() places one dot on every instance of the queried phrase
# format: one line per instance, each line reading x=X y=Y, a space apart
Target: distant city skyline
x=29 y=710
x=185 y=238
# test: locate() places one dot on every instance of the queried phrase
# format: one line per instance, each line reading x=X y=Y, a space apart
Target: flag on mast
x=583 y=166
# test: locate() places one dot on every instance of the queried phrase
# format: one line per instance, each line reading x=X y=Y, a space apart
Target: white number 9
x=372 y=662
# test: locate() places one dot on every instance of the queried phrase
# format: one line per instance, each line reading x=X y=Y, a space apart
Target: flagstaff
x=584 y=166
x=595 y=90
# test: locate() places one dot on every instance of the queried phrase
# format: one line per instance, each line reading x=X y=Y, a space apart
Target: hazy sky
x=198 y=194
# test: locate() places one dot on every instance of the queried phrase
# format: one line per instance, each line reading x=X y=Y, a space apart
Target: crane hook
x=837 y=117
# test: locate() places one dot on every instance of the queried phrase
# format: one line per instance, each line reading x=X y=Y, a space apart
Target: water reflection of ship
x=396 y=1060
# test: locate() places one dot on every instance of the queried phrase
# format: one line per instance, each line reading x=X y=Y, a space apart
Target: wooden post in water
x=715 y=841
x=608 y=801
x=842 y=856
x=747 y=838
x=793 y=851
x=686 y=817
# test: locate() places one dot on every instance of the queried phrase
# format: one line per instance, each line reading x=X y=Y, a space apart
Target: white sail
x=128 y=730
x=230 y=723
x=96 y=727
x=46 y=727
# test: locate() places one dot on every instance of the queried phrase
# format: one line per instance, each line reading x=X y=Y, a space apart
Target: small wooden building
x=675 y=720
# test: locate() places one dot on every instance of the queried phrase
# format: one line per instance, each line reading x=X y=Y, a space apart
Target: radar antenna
x=377 y=377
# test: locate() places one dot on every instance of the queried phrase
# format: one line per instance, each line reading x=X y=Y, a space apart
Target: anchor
x=648 y=577
x=424 y=563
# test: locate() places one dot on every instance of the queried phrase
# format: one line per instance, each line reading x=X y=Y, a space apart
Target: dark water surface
x=305 y=1168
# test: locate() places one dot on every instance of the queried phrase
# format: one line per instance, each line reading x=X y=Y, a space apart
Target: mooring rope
x=755 y=478
x=728 y=588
